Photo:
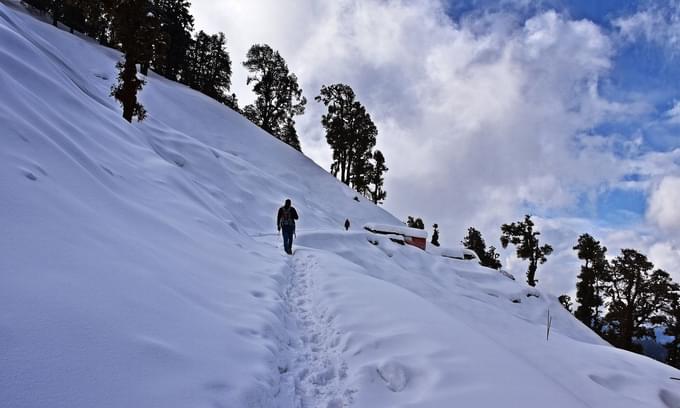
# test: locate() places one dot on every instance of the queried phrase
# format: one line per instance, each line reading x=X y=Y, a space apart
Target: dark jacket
x=280 y=217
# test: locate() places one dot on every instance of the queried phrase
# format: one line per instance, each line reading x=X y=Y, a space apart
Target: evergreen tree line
x=624 y=298
x=159 y=35
x=521 y=234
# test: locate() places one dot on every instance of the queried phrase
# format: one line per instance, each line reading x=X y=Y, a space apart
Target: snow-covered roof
x=459 y=253
x=396 y=229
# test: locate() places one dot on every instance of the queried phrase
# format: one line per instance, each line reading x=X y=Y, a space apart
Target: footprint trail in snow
x=316 y=371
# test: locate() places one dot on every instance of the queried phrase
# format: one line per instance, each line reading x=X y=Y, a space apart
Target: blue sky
x=641 y=69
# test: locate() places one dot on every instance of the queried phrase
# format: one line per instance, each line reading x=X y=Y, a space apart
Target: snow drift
x=140 y=267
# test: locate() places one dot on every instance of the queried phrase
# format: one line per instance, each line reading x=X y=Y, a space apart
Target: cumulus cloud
x=664 y=204
x=479 y=118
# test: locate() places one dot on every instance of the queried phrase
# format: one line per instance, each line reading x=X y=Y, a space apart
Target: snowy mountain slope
x=140 y=267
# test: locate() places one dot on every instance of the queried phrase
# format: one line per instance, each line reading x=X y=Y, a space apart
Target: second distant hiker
x=285 y=223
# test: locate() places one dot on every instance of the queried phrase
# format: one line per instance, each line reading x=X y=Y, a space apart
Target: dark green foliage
x=73 y=16
x=172 y=48
x=279 y=97
x=54 y=8
x=40 y=5
x=435 y=235
x=133 y=28
x=488 y=257
x=565 y=300
x=522 y=235
x=638 y=299
x=208 y=67
x=351 y=134
x=592 y=280
x=125 y=91
x=96 y=21
x=673 y=329
x=415 y=223
x=376 y=178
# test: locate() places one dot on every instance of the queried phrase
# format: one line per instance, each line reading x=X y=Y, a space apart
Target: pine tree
x=474 y=241
x=350 y=132
x=565 y=300
x=435 y=235
x=522 y=235
x=673 y=330
x=56 y=9
x=40 y=5
x=279 y=97
x=591 y=281
x=172 y=48
x=208 y=67
x=492 y=259
x=376 y=178
x=96 y=20
x=638 y=299
x=73 y=16
x=410 y=222
x=131 y=25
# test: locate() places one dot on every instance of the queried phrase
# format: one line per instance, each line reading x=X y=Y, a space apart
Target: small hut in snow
x=412 y=236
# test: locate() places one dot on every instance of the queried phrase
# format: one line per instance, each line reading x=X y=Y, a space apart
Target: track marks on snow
x=316 y=369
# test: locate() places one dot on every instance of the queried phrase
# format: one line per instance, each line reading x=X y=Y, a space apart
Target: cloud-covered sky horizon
x=488 y=110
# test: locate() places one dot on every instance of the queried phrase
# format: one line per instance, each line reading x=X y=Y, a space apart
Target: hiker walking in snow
x=285 y=223
x=347 y=224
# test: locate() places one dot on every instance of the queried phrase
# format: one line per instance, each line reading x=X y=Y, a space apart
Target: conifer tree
x=56 y=9
x=172 y=48
x=410 y=222
x=673 y=330
x=565 y=300
x=522 y=235
x=350 y=132
x=96 y=20
x=40 y=5
x=208 y=67
x=376 y=178
x=591 y=281
x=474 y=241
x=279 y=97
x=131 y=22
x=362 y=168
x=73 y=16
x=435 y=235
x=638 y=299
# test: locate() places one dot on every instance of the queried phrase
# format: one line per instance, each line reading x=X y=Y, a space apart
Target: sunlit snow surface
x=140 y=267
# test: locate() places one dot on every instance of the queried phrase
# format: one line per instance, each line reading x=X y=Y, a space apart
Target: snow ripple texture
x=316 y=371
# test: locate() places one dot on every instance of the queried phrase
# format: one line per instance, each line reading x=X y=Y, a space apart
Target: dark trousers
x=288 y=231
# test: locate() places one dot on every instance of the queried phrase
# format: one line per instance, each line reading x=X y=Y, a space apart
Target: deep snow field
x=140 y=267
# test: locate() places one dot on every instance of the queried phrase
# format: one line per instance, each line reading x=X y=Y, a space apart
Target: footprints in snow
x=316 y=371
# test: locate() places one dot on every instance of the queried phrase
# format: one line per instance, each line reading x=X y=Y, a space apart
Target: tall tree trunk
x=531 y=273
x=128 y=94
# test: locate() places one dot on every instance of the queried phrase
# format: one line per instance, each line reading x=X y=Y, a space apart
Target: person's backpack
x=287 y=217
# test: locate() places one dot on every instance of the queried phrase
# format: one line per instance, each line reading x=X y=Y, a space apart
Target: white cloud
x=659 y=23
x=664 y=204
x=673 y=114
x=478 y=118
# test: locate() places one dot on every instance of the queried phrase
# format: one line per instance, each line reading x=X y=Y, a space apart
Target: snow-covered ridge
x=140 y=267
x=396 y=229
